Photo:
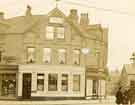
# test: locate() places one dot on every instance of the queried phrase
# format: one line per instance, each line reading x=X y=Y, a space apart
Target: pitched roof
x=22 y=24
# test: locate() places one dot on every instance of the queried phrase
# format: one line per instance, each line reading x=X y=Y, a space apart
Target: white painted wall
x=46 y=69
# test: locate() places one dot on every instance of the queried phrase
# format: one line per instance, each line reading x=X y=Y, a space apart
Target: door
x=26 y=86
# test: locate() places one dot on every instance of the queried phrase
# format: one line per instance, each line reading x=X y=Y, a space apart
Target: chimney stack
x=28 y=11
x=1 y=15
x=84 y=19
x=73 y=16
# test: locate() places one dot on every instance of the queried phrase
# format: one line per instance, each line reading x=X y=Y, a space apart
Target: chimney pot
x=84 y=19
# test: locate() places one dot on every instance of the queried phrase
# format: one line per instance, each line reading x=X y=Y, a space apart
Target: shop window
x=61 y=56
x=76 y=82
x=50 y=32
x=76 y=56
x=60 y=32
x=40 y=82
x=56 y=20
x=8 y=86
x=47 y=55
x=64 y=82
x=132 y=83
x=52 y=82
x=95 y=87
x=30 y=55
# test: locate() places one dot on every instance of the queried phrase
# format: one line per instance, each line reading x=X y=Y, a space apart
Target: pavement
x=107 y=101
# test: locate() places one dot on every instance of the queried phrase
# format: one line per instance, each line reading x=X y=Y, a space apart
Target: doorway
x=26 y=86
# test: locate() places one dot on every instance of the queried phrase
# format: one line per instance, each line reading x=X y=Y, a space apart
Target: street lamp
x=85 y=51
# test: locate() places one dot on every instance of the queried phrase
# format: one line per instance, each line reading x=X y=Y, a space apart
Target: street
x=108 y=101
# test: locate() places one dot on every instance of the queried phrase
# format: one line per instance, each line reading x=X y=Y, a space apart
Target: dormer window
x=58 y=20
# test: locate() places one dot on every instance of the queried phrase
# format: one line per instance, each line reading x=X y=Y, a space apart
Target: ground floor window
x=76 y=82
x=8 y=84
x=52 y=82
x=64 y=82
x=40 y=82
x=132 y=83
x=95 y=87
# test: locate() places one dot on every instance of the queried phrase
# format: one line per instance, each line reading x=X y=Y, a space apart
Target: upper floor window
x=47 y=55
x=40 y=82
x=56 y=20
x=76 y=56
x=30 y=55
x=62 y=56
x=50 y=32
x=60 y=32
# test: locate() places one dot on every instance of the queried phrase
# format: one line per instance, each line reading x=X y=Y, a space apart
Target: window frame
x=50 y=57
x=49 y=32
x=79 y=55
x=40 y=74
x=65 y=55
x=64 y=82
x=34 y=55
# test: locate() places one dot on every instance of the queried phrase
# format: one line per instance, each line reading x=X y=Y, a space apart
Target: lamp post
x=85 y=51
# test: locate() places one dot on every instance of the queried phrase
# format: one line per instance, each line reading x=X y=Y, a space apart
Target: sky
x=120 y=21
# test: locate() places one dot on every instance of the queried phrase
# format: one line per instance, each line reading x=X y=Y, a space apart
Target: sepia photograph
x=67 y=52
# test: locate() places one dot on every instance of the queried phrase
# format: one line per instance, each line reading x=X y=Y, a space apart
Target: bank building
x=52 y=56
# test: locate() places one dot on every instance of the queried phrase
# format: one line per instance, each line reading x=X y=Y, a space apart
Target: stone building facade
x=47 y=56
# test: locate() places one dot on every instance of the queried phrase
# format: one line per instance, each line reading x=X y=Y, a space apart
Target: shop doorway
x=26 y=86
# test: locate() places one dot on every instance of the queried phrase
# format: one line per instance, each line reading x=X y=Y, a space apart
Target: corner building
x=44 y=56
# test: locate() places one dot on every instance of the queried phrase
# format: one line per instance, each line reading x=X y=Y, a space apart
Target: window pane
x=52 y=82
x=8 y=85
x=76 y=82
x=64 y=82
x=76 y=56
x=31 y=55
x=56 y=20
x=49 y=32
x=60 y=32
x=40 y=82
x=47 y=55
x=61 y=56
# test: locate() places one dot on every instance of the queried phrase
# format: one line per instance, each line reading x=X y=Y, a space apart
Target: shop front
x=8 y=81
x=44 y=81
